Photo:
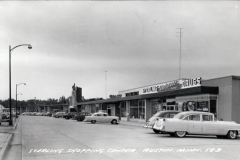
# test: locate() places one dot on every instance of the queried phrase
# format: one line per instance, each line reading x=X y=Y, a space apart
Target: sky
x=108 y=46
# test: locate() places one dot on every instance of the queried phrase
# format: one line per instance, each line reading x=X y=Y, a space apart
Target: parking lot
x=56 y=138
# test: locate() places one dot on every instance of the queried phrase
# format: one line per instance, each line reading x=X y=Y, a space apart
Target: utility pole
x=180 y=56
x=106 y=82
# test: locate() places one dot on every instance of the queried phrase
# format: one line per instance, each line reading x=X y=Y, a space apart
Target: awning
x=167 y=94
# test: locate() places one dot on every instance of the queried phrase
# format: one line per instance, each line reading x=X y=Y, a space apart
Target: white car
x=197 y=123
x=102 y=118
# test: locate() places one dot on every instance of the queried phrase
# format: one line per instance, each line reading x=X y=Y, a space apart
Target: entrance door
x=109 y=111
x=213 y=106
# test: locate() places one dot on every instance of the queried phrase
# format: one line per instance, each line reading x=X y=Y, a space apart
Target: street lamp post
x=16 y=106
x=16 y=97
x=10 y=103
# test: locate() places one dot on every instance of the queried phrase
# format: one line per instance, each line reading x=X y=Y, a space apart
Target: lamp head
x=29 y=46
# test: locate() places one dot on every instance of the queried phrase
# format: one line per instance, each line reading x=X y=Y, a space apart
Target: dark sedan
x=5 y=117
x=69 y=115
x=48 y=114
x=81 y=116
x=159 y=115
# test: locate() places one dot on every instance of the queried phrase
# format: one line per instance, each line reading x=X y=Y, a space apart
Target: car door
x=104 y=118
x=98 y=117
x=194 y=124
x=209 y=125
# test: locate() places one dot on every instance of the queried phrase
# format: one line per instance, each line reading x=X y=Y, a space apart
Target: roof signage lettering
x=174 y=85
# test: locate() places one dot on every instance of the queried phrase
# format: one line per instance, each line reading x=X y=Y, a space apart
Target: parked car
x=39 y=114
x=102 y=118
x=4 y=117
x=59 y=114
x=69 y=115
x=48 y=114
x=159 y=115
x=33 y=113
x=197 y=123
x=81 y=116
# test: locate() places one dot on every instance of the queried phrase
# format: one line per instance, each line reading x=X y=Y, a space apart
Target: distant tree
x=62 y=99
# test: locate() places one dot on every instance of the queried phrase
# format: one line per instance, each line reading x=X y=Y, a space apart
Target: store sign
x=174 y=85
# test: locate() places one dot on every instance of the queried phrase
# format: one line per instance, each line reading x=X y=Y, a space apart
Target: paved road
x=47 y=138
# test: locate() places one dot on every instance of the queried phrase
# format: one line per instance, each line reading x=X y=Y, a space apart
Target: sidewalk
x=133 y=122
x=6 y=136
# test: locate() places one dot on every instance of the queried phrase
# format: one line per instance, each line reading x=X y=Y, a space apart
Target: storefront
x=220 y=96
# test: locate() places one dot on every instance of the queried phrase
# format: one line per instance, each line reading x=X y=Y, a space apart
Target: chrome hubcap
x=232 y=134
x=181 y=133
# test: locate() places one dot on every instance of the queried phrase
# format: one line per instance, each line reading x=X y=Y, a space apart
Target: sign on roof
x=173 y=85
x=163 y=87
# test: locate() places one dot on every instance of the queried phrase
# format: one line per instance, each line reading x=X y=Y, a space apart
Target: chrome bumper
x=148 y=126
x=159 y=128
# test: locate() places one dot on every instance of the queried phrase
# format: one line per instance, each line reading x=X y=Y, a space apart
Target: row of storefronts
x=220 y=96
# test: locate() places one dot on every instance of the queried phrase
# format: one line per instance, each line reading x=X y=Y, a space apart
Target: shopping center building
x=220 y=96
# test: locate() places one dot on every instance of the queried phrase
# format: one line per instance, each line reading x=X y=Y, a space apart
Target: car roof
x=195 y=112
x=169 y=111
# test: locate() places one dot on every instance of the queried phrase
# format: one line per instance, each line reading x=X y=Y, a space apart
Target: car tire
x=172 y=134
x=180 y=134
x=156 y=131
x=232 y=134
x=93 y=122
x=114 y=121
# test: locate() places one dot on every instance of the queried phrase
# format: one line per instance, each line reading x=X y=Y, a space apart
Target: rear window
x=179 y=116
x=207 y=118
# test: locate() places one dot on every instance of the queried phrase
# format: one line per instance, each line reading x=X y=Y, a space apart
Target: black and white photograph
x=119 y=80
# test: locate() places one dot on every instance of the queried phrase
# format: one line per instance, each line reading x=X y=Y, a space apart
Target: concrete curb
x=15 y=126
x=6 y=146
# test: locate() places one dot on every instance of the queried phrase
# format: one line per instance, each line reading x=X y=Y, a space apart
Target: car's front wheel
x=156 y=131
x=114 y=121
x=93 y=122
x=180 y=133
x=232 y=134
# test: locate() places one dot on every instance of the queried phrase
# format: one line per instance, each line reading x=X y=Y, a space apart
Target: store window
x=204 y=103
x=141 y=109
x=93 y=109
x=123 y=109
x=154 y=107
x=134 y=109
x=171 y=105
x=137 y=109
